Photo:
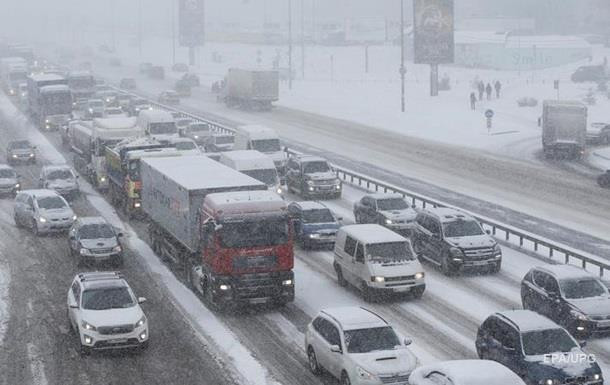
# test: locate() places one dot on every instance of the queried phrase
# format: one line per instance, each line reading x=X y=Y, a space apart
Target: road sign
x=489 y=114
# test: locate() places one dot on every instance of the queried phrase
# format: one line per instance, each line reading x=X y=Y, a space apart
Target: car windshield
x=370 y=340
x=58 y=103
x=462 y=228
x=582 y=288
x=183 y=122
x=267 y=176
x=139 y=102
x=251 y=233
x=107 y=298
x=313 y=167
x=224 y=139
x=50 y=203
x=389 y=252
x=114 y=111
x=548 y=341
x=318 y=216
x=198 y=127
x=392 y=204
x=186 y=145
x=162 y=128
x=96 y=231
x=20 y=145
x=96 y=104
x=7 y=173
x=60 y=174
x=266 y=145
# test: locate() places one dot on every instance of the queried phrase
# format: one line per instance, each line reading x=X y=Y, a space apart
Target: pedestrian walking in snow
x=488 y=91
x=481 y=87
x=473 y=101
x=498 y=87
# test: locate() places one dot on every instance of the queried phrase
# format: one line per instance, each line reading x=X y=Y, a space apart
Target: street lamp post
x=403 y=70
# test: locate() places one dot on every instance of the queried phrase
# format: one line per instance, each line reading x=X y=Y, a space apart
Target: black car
x=20 y=151
x=604 y=179
x=454 y=241
x=595 y=73
x=537 y=349
x=570 y=296
x=93 y=239
x=312 y=176
x=388 y=210
x=314 y=224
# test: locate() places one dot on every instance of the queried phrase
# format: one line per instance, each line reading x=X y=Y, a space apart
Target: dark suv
x=536 y=348
x=570 y=296
x=389 y=210
x=312 y=176
x=454 y=241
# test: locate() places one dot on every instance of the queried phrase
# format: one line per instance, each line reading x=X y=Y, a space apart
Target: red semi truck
x=232 y=237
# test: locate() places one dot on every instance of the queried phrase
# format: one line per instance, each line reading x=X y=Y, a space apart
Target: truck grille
x=101 y=251
x=576 y=380
x=256 y=286
x=254 y=262
x=479 y=253
x=119 y=329
x=401 y=278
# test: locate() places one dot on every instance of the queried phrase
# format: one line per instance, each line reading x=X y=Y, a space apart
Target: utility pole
x=173 y=13
x=289 y=44
x=302 y=39
x=403 y=70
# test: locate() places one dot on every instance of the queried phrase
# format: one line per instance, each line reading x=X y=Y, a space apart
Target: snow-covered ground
x=340 y=88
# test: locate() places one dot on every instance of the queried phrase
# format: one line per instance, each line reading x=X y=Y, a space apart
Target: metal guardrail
x=554 y=252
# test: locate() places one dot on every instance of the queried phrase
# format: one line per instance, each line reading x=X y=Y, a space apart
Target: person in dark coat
x=498 y=87
x=488 y=91
x=481 y=87
x=473 y=100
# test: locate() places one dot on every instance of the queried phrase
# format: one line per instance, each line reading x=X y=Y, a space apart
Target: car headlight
x=497 y=249
x=196 y=136
x=596 y=377
x=102 y=179
x=87 y=326
x=17 y=185
x=14 y=155
x=141 y=322
x=310 y=183
x=456 y=253
x=378 y=279
x=314 y=235
x=224 y=287
x=117 y=249
x=338 y=185
x=363 y=374
x=287 y=282
x=74 y=217
x=84 y=251
x=31 y=155
x=47 y=121
x=420 y=275
x=137 y=205
x=90 y=110
x=578 y=315
x=42 y=220
x=388 y=221
x=279 y=190
x=549 y=381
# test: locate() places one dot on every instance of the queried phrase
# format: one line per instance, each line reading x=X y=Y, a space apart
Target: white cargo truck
x=251 y=88
x=564 y=128
x=255 y=164
x=265 y=140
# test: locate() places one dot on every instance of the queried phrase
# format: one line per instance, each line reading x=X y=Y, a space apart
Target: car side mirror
x=488 y=232
x=78 y=177
x=141 y=299
x=336 y=349
x=413 y=206
x=72 y=303
x=407 y=341
x=582 y=343
x=72 y=237
x=120 y=235
x=510 y=349
x=339 y=219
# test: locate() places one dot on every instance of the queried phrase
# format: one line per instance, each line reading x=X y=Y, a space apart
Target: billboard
x=191 y=22
x=433 y=31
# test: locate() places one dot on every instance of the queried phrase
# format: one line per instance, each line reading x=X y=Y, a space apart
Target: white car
x=43 y=211
x=358 y=347
x=465 y=372
x=105 y=314
x=60 y=178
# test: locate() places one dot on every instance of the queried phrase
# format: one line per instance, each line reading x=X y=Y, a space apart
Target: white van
x=158 y=124
x=377 y=260
x=262 y=139
x=255 y=164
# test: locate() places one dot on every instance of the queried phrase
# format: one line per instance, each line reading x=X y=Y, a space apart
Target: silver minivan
x=377 y=261
x=43 y=211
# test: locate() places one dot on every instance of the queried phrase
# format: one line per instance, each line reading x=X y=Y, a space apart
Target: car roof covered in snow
x=45 y=77
x=54 y=88
x=100 y=279
x=562 y=271
x=447 y=214
x=115 y=123
x=156 y=116
x=258 y=131
x=200 y=172
x=527 y=320
x=311 y=205
x=382 y=196
x=246 y=160
x=41 y=193
x=55 y=167
x=470 y=372
x=353 y=317
x=372 y=233
x=309 y=158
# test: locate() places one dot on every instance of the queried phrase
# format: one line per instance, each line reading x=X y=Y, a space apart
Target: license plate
x=479 y=263
x=256 y=301
x=119 y=341
x=402 y=289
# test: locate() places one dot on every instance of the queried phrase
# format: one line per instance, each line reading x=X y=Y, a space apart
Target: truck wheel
x=367 y=293
x=340 y=279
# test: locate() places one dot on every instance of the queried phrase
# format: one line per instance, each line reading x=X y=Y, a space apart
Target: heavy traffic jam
x=228 y=209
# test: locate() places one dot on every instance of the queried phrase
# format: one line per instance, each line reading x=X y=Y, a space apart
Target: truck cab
x=564 y=128
x=262 y=139
x=157 y=124
x=255 y=164
x=56 y=106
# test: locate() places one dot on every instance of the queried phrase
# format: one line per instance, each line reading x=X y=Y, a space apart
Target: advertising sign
x=191 y=17
x=433 y=31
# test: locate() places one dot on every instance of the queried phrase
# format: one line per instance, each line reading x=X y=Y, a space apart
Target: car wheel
x=35 y=230
x=446 y=267
x=83 y=350
x=313 y=361
x=70 y=327
x=496 y=268
x=418 y=292
x=17 y=223
x=345 y=379
x=340 y=279
x=367 y=293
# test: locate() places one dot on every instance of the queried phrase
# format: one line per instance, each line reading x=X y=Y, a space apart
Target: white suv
x=105 y=313
x=357 y=346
